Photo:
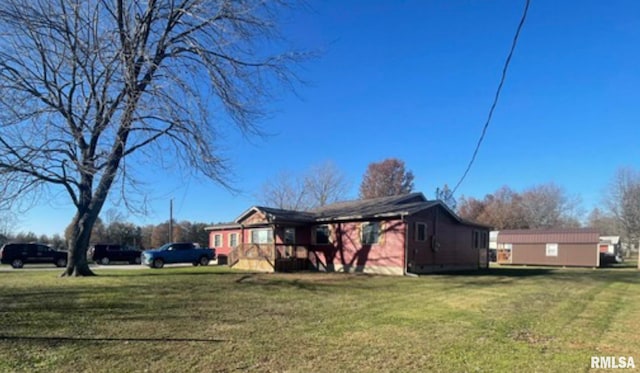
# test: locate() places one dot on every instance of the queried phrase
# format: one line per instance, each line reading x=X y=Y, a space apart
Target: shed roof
x=565 y=235
x=610 y=239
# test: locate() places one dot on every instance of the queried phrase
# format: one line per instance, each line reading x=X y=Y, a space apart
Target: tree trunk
x=77 y=264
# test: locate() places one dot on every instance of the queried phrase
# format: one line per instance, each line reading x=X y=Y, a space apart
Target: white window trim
x=269 y=236
x=236 y=236
x=378 y=239
x=217 y=236
x=551 y=249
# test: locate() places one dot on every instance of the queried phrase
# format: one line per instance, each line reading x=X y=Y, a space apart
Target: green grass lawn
x=214 y=319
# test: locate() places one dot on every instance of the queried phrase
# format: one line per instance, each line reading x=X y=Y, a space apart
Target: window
x=552 y=249
x=480 y=240
x=217 y=240
x=370 y=233
x=289 y=236
x=262 y=236
x=233 y=240
x=322 y=234
x=421 y=232
x=42 y=249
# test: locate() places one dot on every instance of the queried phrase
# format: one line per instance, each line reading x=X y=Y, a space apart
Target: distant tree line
x=540 y=206
x=123 y=233
x=549 y=206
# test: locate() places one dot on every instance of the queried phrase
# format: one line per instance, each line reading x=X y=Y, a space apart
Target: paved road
x=50 y=267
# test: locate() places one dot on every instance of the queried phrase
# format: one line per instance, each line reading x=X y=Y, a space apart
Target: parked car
x=107 y=253
x=178 y=252
x=493 y=255
x=608 y=259
x=18 y=254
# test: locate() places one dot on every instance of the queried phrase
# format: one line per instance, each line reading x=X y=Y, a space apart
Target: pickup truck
x=177 y=252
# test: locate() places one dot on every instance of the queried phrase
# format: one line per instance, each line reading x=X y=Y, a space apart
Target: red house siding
x=225 y=248
x=346 y=253
x=448 y=244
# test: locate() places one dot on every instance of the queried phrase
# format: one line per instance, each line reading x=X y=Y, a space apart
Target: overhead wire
x=496 y=97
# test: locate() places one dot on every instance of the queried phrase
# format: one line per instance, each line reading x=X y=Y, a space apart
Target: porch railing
x=251 y=251
x=283 y=257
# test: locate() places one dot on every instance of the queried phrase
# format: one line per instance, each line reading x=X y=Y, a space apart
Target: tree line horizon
x=93 y=89
x=541 y=206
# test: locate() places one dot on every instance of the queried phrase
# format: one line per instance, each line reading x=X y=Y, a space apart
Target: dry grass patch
x=215 y=319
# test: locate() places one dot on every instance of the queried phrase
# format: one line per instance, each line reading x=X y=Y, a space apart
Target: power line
x=495 y=99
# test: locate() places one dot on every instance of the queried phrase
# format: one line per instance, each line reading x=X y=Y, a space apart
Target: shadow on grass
x=103 y=339
x=259 y=279
x=575 y=274
x=502 y=272
x=167 y=272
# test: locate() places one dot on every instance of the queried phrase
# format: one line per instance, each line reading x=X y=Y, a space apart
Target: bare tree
x=325 y=183
x=322 y=184
x=90 y=88
x=285 y=191
x=445 y=194
x=386 y=178
x=603 y=222
x=146 y=233
x=549 y=206
x=623 y=202
x=7 y=223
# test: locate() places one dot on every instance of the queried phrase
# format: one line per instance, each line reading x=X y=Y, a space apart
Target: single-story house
x=391 y=235
x=555 y=247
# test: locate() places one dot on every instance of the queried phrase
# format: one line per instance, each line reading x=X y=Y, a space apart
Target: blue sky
x=415 y=80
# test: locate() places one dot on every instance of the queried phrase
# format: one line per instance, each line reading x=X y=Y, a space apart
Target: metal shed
x=557 y=247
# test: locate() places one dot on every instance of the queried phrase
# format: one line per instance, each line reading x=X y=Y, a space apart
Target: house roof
x=564 y=235
x=384 y=207
x=222 y=226
x=373 y=207
x=277 y=215
x=274 y=215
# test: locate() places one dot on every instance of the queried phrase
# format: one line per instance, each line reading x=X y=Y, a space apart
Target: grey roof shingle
x=372 y=208
x=275 y=214
x=394 y=206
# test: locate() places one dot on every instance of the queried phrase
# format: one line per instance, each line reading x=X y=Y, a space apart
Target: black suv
x=18 y=254
x=107 y=253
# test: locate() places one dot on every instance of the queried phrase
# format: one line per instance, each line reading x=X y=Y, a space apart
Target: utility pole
x=171 y=220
